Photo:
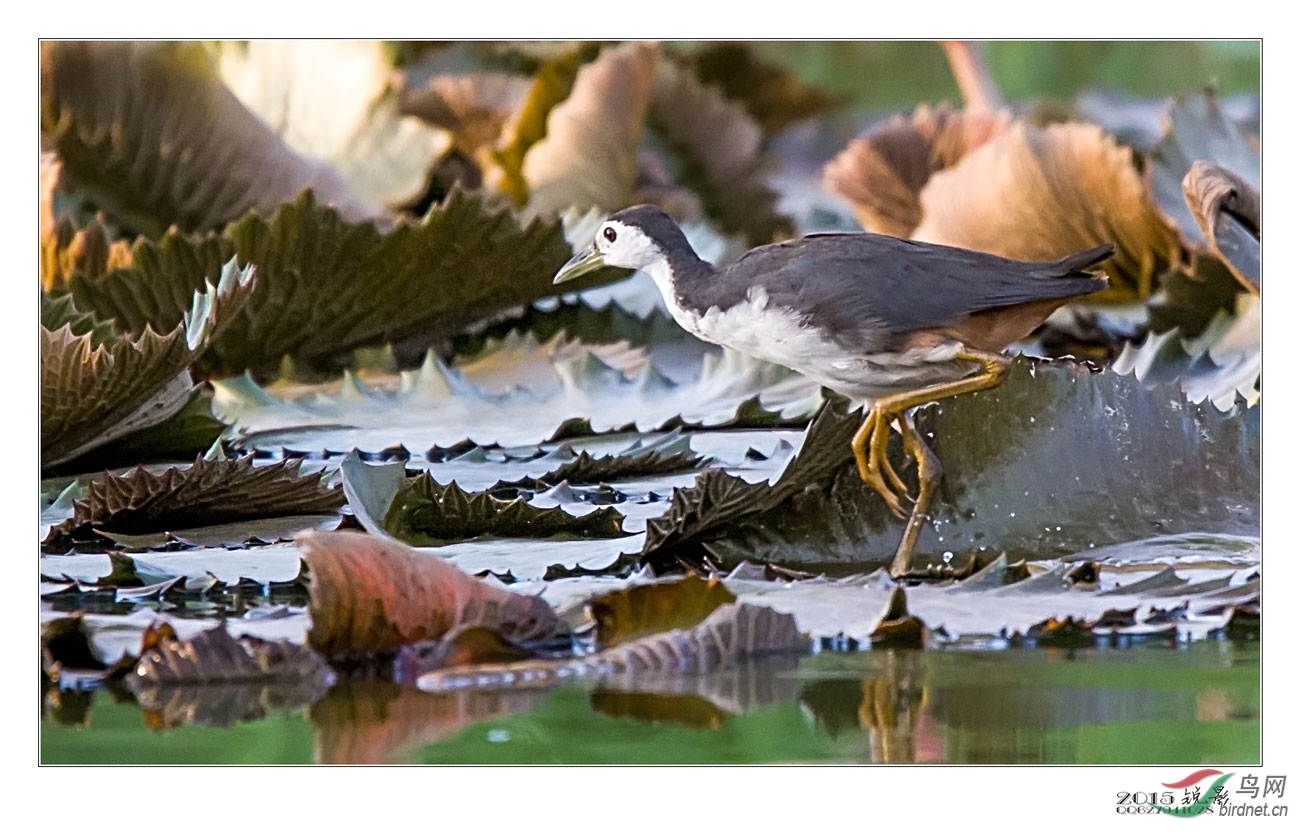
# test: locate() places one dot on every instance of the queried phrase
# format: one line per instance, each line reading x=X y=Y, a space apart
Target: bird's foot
x=869 y=450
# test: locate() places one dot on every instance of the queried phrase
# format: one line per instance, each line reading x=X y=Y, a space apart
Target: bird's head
x=634 y=238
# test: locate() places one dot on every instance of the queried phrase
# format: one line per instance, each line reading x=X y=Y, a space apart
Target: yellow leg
x=928 y=472
x=874 y=467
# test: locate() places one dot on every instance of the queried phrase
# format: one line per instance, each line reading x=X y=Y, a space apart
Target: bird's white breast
x=777 y=334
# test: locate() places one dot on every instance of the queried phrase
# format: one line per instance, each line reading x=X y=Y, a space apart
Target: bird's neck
x=674 y=273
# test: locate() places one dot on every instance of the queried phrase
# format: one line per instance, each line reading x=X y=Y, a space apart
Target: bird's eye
x=610 y=234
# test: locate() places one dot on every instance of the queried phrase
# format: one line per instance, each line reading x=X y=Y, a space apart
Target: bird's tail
x=1081 y=261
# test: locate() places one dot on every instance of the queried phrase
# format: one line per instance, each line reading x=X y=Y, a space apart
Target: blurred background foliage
x=874 y=75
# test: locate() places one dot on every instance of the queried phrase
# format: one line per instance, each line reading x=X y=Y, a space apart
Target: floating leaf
x=883 y=172
x=214 y=656
x=629 y=614
x=897 y=628
x=671 y=455
x=1127 y=462
x=150 y=131
x=1038 y=194
x=184 y=434
x=334 y=100
x=426 y=513
x=370 y=596
x=206 y=493
x=589 y=154
x=326 y=286
x=721 y=150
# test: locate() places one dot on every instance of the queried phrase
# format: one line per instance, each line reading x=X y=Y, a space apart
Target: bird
x=889 y=322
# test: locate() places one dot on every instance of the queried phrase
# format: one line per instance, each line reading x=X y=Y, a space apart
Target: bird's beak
x=581 y=264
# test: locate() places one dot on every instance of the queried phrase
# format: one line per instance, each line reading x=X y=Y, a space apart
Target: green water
x=1191 y=704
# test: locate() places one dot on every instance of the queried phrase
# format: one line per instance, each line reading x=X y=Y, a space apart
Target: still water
x=1191 y=703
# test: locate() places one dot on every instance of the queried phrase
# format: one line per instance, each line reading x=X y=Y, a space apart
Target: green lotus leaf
x=424 y=512
x=150 y=132
x=203 y=494
x=326 y=286
x=93 y=391
x=1174 y=467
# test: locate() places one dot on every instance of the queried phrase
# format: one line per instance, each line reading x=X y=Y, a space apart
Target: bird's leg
x=883 y=412
x=928 y=472
x=875 y=432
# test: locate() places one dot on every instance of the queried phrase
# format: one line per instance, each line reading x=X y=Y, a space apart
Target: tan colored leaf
x=335 y=101
x=371 y=596
x=720 y=146
x=625 y=615
x=1227 y=210
x=206 y=493
x=1038 y=194
x=883 y=172
x=474 y=108
x=526 y=127
x=214 y=656
x=897 y=628
x=67 y=251
x=589 y=155
x=150 y=132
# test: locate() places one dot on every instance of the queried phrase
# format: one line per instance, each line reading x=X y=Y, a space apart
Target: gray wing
x=863 y=287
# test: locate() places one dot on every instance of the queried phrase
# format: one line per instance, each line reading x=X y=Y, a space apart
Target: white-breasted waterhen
x=886 y=321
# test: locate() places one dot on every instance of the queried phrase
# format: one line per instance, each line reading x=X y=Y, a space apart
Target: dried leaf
x=1197 y=130
x=626 y=615
x=214 y=657
x=897 y=628
x=150 y=131
x=551 y=85
x=370 y=596
x=883 y=172
x=474 y=107
x=334 y=100
x=424 y=512
x=1227 y=210
x=1038 y=194
x=589 y=154
x=721 y=149
x=206 y=493
x=326 y=286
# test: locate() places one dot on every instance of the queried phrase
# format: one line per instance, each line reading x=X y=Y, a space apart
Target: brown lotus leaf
x=774 y=97
x=152 y=134
x=360 y=722
x=215 y=656
x=1038 y=194
x=473 y=107
x=589 y=155
x=731 y=633
x=370 y=596
x=883 y=172
x=625 y=615
x=1227 y=210
x=527 y=125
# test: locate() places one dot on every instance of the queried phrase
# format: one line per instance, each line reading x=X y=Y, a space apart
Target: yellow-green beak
x=581 y=264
